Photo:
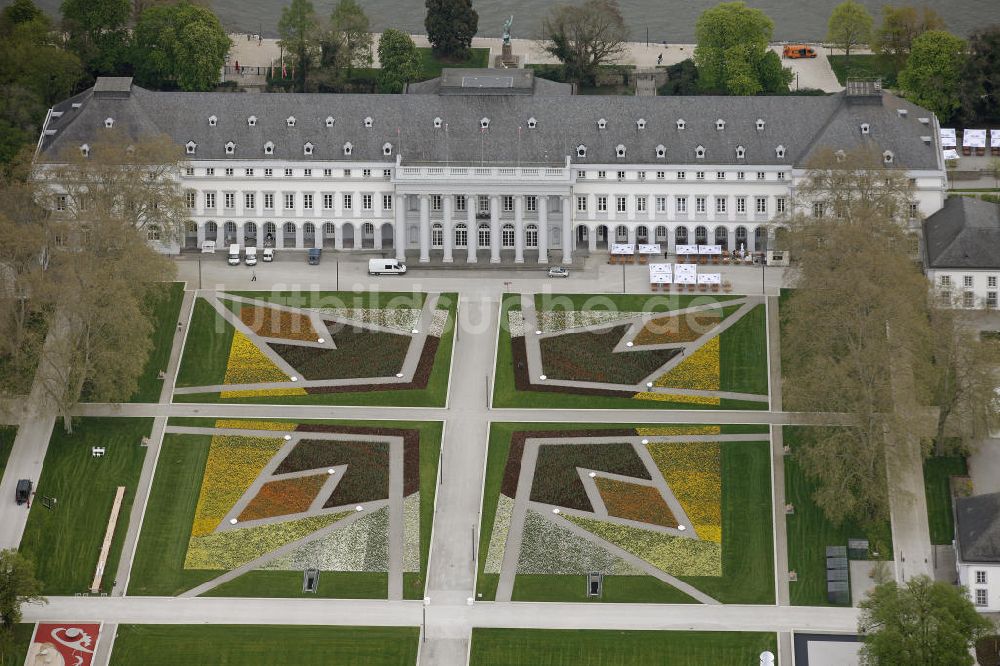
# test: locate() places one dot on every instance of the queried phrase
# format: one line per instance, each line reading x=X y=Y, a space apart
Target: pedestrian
x=659 y=59
x=253 y=276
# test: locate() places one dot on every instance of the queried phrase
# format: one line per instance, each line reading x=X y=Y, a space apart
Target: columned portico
x=494 y=229
x=425 y=228
x=399 y=237
x=472 y=242
x=519 y=229
x=448 y=232
x=567 y=232
x=543 y=230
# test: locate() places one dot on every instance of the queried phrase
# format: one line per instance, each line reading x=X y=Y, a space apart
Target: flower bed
x=498 y=537
x=522 y=382
x=557 y=481
x=554 y=321
x=677 y=556
x=515 y=323
x=232 y=465
x=362 y=545
x=366 y=477
x=249 y=424
x=411 y=446
x=359 y=353
x=635 y=502
x=420 y=376
x=693 y=470
x=411 y=532
x=248 y=365
x=589 y=357
x=400 y=319
x=284 y=497
x=699 y=371
x=271 y=323
x=678 y=328
x=548 y=548
x=669 y=430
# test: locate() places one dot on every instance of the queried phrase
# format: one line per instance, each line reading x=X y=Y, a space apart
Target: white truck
x=386 y=266
x=234 y=255
x=251 y=256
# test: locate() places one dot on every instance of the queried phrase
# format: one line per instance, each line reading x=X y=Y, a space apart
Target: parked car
x=795 y=51
x=558 y=271
x=234 y=255
x=382 y=266
x=314 y=254
x=23 y=491
x=268 y=255
x=251 y=256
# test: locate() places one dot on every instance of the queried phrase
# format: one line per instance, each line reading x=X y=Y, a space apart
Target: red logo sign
x=75 y=643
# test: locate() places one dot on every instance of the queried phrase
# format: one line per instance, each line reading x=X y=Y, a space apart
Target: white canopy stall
x=948 y=139
x=686 y=274
x=661 y=273
x=995 y=141
x=974 y=140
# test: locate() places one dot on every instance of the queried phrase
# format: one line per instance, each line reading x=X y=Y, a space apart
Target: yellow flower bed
x=255 y=393
x=248 y=365
x=699 y=371
x=693 y=470
x=672 y=397
x=233 y=464
x=667 y=430
x=247 y=424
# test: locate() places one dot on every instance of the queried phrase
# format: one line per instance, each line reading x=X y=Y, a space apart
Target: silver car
x=558 y=271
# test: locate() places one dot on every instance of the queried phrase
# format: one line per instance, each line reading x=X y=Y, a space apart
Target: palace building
x=497 y=165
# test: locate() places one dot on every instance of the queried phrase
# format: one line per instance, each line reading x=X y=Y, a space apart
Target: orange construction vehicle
x=798 y=51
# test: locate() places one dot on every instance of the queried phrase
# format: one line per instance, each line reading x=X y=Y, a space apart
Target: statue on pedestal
x=506 y=30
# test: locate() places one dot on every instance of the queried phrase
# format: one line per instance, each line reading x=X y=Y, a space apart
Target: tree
x=451 y=25
x=584 y=37
x=300 y=37
x=924 y=623
x=932 y=76
x=183 y=44
x=19 y=11
x=980 y=91
x=731 y=53
x=398 y=59
x=850 y=26
x=98 y=33
x=18 y=586
x=349 y=26
x=900 y=26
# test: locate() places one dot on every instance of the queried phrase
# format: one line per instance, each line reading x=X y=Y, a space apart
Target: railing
x=480 y=173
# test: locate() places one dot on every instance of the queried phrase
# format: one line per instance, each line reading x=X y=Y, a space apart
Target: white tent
x=974 y=138
x=649 y=248
x=948 y=138
x=995 y=138
x=622 y=248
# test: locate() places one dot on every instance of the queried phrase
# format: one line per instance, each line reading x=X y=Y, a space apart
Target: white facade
x=966 y=287
x=982 y=580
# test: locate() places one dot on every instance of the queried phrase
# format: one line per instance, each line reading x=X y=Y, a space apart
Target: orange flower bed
x=678 y=328
x=271 y=323
x=284 y=497
x=634 y=502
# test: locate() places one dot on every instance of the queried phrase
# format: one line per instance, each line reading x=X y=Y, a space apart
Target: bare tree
x=585 y=36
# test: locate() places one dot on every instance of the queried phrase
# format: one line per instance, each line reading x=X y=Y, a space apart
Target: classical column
x=338 y=236
x=201 y=234
x=543 y=229
x=630 y=230
x=494 y=229
x=567 y=231
x=377 y=237
x=300 y=231
x=446 y=227
x=399 y=234
x=259 y=241
x=318 y=233
x=519 y=229
x=220 y=236
x=425 y=228
x=592 y=239
x=472 y=241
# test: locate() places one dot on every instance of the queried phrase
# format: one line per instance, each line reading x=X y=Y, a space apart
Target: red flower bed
x=272 y=323
x=523 y=383
x=280 y=498
x=589 y=357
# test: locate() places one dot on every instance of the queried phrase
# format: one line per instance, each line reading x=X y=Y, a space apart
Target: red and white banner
x=71 y=644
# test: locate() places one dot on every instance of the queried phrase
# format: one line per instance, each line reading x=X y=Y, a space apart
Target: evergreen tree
x=451 y=25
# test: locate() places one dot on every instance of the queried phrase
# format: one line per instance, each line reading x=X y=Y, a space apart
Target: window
x=230 y=148
x=307 y=201
x=268 y=201
x=269 y=148
x=680 y=123
x=581 y=150
x=620 y=204
x=507 y=236
x=461 y=235
x=980 y=578
x=484 y=123
x=779 y=152
x=435 y=202
x=681 y=175
x=328 y=173
x=761 y=205
x=581 y=204
x=602 y=123
x=945 y=281
x=248 y=172
x=249 y=200
x=681 y=204
x=720 y=124
x=602 y=174
x=289 y=201
x=531 y=204
x=661 y=204
x=532 y=123
x=818 y=209
x=720 y=204
x=761 y=175
x=602 y=204
x=968 y=299
x=741 y=175
x=484 y=235
x=741 y=152
x=348 y=201
x=620 y=150
x=460 y=202
x=329 y=121
x=661 y=151
x=699 y=204
x=288 y=173
x=914 y=210
x=347 y=173
x=967 y=281
x=348 y=147
x=209 y=199
x=781 y=175
x=190 y=198
x=307 y=149
x=230 y=199
x=328 y=202
x=366 y=173
x=268 y=173
x=699 y=152
x=387 y=149
x=991 y=281
x=640 y=204
x=229 y=171
x=189 y=147
x=991 y=300
x=387 y=173
x=581 y=174
x=780 y=204
x=661 y=175
x=531 y=236
x=307 y=173
x=641 y=123
x=189 y=171
x=508 y=203
x=437 y=236
x=290 y=121
x=484 y=203
x=741 y=205
x=210 y=171
x=699 y=175
x=621 y=175
x=386 y=202
x=212 y=121
x=760 y=125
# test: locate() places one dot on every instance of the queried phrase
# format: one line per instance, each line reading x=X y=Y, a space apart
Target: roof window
x=109 y=122
x=85 y=150
x=330 y=121
x=252 y=121
x=484 y=123
x=699 y=152
x=887 y=157
x=661 y=151
x=387 y=149
x=779 y=152
x=212 y=121
x=602 y=123
x=760 y=125
x=720 y=124
x=190 y=147
x=369 y=122
x=641 y=123
x=532 y=123
x=348 y=148
x=437 y=122
x=290 y=121
x=681 y=124
x=581 y=150
x=741 y=152
x=866 y=128
x=269 y=148
x=230 y=148
x=620 y=150
x=307 y=148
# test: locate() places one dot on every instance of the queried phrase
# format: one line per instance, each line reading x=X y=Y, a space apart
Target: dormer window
x=437 y=123
x=189 y=147
x=620 y=150
x=602 y=124
x=329 y=121
x=307 y=148
x=532 y=123
x=484 y=123
x=348 y=148
x=581 y=150
x=290 y=121
x=866 y=128
x=720 y=124
x=85 y=150
x=640 y=124
x=369 y=122
x=230 y=148
x=109 y=122
x=760 y=125
x=661 y=151
x=252 y=121
x=840 y=155
x=387 y=149
x=741 y=152
x=681 y=124
x=212 y=121
x=779 y=152
x=269 y=148
x=699 y=152
x=887 y=157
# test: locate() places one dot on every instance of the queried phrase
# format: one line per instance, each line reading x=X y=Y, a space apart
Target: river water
x=671 y=21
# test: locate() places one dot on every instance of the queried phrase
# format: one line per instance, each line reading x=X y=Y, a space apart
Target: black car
x=314 y=254
x=23 y=491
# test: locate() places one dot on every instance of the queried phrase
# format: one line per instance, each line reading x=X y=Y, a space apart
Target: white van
x=268 y=254
x=234 y=255
x=382 y=266
x=251 y=258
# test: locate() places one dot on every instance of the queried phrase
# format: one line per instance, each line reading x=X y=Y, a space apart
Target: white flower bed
x=498 y=539
x=411 y=532
x=361 y=546
x=553 y=321
x=399 y=319
x=515 y=319
x=438 y=323
x=547 y=548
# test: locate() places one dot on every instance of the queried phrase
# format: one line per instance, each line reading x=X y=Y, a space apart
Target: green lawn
x=810 y=532
x=745 y=338
x=65 y=542
x=939 y=514
x=207 y=350
x=166 y=308
x=865 y=66
x=748 y=571
x=550 y=647
x=7 y=435
x=18 y=650
x=431 y=66
x=249 y=645
x=158 y=568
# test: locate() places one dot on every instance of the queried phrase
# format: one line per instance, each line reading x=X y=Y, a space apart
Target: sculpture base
x=507 y=59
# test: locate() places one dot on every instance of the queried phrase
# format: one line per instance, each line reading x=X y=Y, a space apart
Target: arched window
x=461 y=235
x=483 y=236
x=211 y=229
x=437 y=235
x=270 y=229
x=367 y=230
x=661 y=234
x=531 y=236
x=701 y=235
x=642 y=234
x=507 y=236
x=722 y=237
x=741 y=236
x=329 y=229
x=621 y=233
x=681 y=236
x=289 y=227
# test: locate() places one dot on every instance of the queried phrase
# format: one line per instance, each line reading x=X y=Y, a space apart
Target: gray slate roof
x=800 y=124
x=977 y=527
x=965 y=233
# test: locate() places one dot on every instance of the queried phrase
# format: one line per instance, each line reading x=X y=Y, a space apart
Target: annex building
x=492 y=165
